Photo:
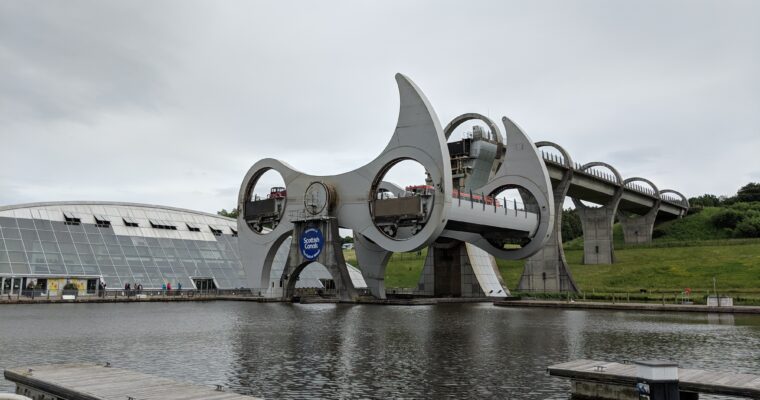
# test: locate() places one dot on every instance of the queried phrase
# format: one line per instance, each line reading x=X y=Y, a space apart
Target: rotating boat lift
x=464 y=233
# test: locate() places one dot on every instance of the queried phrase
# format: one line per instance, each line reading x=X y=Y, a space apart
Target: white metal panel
x=485 y=269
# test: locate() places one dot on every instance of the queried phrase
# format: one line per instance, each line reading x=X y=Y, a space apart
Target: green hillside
x=694 y=227
x=735 y=265
x=736 y=268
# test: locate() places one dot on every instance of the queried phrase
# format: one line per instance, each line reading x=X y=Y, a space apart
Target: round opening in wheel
x=521 y=206
x=265 y=200
x=401 y=199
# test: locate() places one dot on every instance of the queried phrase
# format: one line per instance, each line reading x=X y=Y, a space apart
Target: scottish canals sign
x=311 y=242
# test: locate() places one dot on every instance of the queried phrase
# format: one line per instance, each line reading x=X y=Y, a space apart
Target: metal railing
x=41 y=294
x=559 y=160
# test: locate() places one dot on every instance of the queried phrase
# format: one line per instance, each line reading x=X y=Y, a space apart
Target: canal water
x=291 y=351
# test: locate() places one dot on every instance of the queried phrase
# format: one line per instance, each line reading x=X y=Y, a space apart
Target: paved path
x=628 y=306
x=690 y=380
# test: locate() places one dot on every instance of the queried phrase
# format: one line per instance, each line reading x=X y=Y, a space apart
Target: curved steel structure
x=455 y=214
x=355 y=203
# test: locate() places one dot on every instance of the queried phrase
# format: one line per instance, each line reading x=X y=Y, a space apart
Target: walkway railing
x=560 y=161
x=40 y=294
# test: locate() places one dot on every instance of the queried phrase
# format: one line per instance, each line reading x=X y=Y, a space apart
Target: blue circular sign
x=311 y=243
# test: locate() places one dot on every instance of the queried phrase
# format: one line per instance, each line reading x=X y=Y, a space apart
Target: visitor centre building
x=47 y=245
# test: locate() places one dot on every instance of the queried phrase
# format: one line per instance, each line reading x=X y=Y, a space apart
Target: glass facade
x=43 y=248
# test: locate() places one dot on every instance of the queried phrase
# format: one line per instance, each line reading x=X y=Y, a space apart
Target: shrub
x=748 y=228
x=728 y=218
x=70 y=286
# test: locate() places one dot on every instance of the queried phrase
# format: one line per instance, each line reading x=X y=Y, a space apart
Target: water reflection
x=338 y=351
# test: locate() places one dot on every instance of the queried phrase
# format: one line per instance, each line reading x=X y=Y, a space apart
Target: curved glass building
x=46 y=245
x=49 y=244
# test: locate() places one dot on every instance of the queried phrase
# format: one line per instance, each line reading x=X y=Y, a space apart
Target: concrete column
x=597 y=223
x=2 y=285
x=637 y=229
x=458 y=269
x=547 y=270
x=597 y=233
x=372 y=260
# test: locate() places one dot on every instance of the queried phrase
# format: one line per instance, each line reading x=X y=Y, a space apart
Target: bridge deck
x=690 y=380
x=96 y=382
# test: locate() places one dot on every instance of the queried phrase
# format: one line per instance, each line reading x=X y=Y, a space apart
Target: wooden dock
x=97 y=382
x=689 y=380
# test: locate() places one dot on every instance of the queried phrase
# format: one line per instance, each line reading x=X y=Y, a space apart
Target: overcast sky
x=170 y=102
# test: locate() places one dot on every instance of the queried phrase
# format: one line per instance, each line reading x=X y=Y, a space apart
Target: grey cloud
x=171 y=102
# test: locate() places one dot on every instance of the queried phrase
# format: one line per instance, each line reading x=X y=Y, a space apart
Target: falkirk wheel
x=455 y=214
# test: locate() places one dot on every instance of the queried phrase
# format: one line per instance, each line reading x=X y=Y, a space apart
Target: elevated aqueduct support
x=456 y=214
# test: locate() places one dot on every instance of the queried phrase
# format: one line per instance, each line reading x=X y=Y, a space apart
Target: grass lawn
x=668 y=269
x=403 y=271
x=735 y=267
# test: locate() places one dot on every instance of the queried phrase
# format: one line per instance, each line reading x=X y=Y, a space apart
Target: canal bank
x=169 y=297
x=589 y=305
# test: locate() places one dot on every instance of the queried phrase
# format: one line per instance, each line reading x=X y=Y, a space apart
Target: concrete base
x=637 y=229
x=547 y=271
x=597 y=234
x=449 y=272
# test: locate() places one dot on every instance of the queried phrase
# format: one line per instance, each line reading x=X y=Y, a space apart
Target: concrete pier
x=637 y=229
x=547 y=270
x=597 y=223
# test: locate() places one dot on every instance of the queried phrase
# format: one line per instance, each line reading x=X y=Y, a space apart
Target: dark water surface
x=363 y=351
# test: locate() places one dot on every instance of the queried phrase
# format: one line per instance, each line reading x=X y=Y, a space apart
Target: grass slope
x=736 y=268
x=688 y=252
x=656 y=269
x=695 y=227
